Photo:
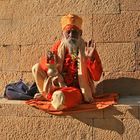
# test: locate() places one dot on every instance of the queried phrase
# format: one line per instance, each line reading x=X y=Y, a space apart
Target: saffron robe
x=73 y=93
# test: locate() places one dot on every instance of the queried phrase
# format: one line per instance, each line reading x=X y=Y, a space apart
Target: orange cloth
x=71 y=19
x=100 y=102
x=69 y=27
x=42 y=63
x=73 y=96
x=95 y=67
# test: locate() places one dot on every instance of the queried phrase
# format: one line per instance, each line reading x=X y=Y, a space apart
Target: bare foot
x=39 y=96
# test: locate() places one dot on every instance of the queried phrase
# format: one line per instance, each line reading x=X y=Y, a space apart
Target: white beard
x=72 y=45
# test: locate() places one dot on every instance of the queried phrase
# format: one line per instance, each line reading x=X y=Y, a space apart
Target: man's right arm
x=43 y=59
x=55 y=47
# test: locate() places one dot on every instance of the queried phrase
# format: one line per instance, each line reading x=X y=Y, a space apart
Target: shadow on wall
x=111 y=121
x=123 y=86
x=112 y=118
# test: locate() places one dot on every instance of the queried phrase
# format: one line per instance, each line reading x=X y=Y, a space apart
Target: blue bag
x=19 y=91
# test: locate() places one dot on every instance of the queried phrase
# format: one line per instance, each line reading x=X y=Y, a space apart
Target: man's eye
x=74 y=32
x=68 y=32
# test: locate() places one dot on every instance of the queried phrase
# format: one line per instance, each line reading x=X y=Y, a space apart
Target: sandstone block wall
x=21 y=122
x=28 y=28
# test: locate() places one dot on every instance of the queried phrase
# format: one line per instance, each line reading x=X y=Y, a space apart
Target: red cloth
x=100 y=102
x=95 y=67
x=72 y=93
x=69 y=27
x=70 y=71
x=42 y=63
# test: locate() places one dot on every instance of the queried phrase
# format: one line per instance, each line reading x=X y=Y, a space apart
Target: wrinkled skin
x=73 y=36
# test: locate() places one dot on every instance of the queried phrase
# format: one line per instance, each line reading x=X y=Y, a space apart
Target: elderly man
x=77 y=64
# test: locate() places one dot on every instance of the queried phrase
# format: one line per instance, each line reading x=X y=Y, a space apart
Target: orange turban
x=71 y=19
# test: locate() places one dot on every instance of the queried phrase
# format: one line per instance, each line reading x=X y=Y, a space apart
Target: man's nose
x=72 y=34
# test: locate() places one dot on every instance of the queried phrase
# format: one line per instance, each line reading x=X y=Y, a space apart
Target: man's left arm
x=95 y=67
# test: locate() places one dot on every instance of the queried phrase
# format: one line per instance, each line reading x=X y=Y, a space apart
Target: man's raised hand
x=89 y=49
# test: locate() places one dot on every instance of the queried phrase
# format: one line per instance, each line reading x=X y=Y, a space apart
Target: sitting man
x=75 y=66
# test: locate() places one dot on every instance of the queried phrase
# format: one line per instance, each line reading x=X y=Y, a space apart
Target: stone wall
x=22 y=122
x=28 y=28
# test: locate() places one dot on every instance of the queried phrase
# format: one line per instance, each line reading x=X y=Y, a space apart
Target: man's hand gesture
x=89 y=49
